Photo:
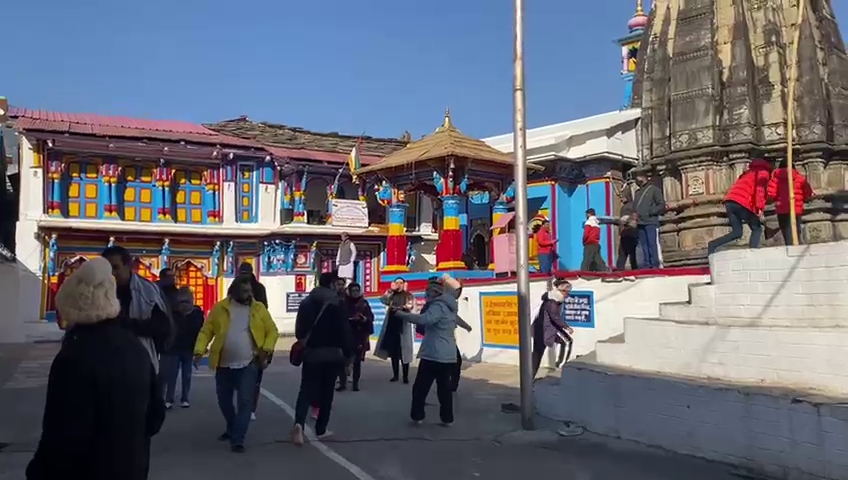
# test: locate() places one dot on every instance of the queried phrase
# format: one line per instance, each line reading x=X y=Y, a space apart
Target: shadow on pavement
x=373 y=432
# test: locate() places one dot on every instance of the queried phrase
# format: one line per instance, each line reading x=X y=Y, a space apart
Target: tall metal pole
x=790 y=122
x=525 y=343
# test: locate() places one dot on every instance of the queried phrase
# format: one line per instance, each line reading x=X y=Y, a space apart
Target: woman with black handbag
x=324 y=342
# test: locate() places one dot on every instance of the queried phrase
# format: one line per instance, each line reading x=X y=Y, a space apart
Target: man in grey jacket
x=648 y=203
x=438 y=348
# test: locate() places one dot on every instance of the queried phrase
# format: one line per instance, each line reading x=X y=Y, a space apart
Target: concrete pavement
x=374 y=439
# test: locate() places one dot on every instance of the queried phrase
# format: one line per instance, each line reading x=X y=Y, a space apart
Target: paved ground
x=374 y=438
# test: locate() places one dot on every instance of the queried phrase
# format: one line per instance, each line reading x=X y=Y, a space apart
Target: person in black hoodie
x=549 y=328
x=103 y=398
x=322 y=325
x=188 y=319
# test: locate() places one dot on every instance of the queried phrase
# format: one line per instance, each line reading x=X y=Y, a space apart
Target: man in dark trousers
x=261 y=296
x=648 y=203
x=324 y=329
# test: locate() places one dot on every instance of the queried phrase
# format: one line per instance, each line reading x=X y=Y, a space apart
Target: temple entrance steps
x=778 y=432
x=750 y=370
x=801 y=356
x=775 y=316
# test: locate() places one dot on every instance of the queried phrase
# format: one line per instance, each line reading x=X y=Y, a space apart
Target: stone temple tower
x=711 y=80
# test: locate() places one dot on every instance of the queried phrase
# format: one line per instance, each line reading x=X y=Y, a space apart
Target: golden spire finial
x=447 y=123
x=639 y=9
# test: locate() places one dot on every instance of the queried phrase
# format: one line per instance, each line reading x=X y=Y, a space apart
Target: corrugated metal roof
x=109 y=126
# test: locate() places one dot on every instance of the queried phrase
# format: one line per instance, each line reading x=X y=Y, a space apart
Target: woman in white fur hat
x=103 y=401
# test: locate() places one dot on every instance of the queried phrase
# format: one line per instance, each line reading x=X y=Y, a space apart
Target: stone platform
x=749 y=371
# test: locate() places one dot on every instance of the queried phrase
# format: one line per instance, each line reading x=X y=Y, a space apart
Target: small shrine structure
x=464 y=176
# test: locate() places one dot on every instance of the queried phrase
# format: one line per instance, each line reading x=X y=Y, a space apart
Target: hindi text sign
x=578 y=310
x=293 y=300
x=499 y=312
x=349 y=213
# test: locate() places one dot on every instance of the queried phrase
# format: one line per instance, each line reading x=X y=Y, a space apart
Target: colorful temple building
x=198 y=200
x=202 y=199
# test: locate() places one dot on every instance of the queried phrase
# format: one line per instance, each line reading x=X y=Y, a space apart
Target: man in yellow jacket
x=243 y=336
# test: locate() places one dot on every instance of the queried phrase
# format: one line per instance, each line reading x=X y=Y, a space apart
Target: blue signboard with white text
x=578 y=309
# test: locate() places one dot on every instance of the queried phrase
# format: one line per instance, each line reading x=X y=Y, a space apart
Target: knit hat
x=435 y=286
x=245 y=268
x=88 y=295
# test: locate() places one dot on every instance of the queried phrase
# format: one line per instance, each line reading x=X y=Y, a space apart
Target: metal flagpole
x=790 y=122
x=525 y=343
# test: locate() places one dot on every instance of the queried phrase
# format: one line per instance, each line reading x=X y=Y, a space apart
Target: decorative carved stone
x=696 y=184
x=711 y=83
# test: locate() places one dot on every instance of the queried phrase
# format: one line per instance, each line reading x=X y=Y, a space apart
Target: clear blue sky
x=373 y=66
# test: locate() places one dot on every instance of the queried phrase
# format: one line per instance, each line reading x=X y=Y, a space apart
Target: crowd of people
x=128 y=340
x=643 y=204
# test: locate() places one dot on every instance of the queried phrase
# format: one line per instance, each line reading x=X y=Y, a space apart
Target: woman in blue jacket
x=438 y=348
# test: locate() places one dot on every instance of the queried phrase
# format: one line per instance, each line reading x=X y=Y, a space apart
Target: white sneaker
x=252 y=416
x=325 y=435
x=168 y=405
x=185 y=405
x=297 y=435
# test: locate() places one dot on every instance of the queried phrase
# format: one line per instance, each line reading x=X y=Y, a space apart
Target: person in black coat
x=103 y=399
x=179 y=358
x=322 y=324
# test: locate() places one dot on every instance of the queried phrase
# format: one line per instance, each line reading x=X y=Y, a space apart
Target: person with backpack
x=744 y=203
x=324 y=338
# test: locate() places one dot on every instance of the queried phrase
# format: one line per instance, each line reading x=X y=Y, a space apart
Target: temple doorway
x=480 y=247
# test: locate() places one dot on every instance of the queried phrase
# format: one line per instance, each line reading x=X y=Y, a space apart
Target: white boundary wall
x=612 y=302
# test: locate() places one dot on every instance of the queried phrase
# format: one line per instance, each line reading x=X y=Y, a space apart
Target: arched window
x=347 y=191
x=315 y=200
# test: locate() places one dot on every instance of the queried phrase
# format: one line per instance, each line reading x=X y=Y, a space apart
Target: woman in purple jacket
x=549 y=326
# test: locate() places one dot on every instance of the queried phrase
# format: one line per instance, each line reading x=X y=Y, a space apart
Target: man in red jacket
x=745 y=202
x=592 y=260
x=545 y=247
x=778 y=189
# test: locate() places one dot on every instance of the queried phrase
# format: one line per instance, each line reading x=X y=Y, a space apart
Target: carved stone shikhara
x=711 y=80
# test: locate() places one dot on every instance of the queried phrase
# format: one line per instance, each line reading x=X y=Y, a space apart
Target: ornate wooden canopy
x=446 y=142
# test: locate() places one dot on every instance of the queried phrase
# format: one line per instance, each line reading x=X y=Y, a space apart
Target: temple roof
x=446 y=141
x=116 y=126
x=283 y=140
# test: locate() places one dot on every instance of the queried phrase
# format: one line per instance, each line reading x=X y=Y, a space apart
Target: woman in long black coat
x=103 y=400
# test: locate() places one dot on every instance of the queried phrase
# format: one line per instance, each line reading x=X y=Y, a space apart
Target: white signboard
x=350 y=213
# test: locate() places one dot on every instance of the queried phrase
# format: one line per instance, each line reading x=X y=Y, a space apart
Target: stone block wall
x=770 y=431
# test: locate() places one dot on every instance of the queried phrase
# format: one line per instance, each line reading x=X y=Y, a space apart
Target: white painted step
x=801 y=356
x=785 y=434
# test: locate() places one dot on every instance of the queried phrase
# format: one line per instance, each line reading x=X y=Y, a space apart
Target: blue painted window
x=246 y=195
x=190 y=193
x=84 y=190
x=138 y=194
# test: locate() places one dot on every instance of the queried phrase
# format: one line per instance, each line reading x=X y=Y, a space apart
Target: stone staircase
x=778 y=317
x=750 y=371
